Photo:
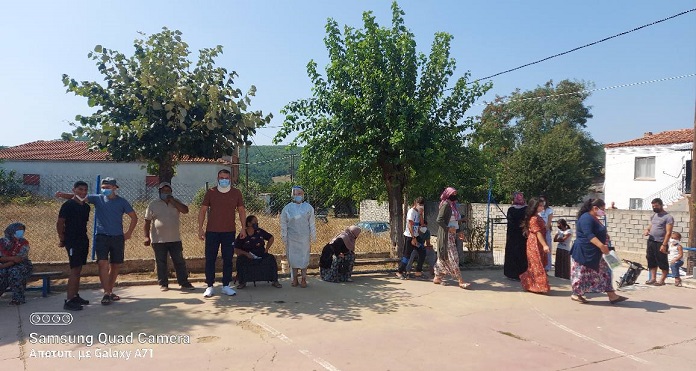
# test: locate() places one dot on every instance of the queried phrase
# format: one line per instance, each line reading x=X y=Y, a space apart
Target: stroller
x=631 y=275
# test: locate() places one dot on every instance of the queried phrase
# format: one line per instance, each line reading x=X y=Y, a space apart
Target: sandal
x=464 y=285
x=650 y=282
x=677 y=282
x=241 y=286
x=276 y=284
x=106 y=300
x=294 y=283
x=437 y=281
x=659 y=283
x=579 y=299
x=115 y=297
x=618 y=299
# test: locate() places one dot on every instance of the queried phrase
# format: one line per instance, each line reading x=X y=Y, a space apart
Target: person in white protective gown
x=297 y=230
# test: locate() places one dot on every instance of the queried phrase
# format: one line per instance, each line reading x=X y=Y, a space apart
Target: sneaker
x=164 y=288
x=228 y=291
x=80 y=300
x=72 y=305
x=187 y=286
x=208 y=292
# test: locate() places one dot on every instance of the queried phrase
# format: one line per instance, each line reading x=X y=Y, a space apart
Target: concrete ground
x=377 y=322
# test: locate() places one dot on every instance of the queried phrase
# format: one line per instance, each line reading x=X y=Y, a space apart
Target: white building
x=653 y=166
x=45 y=167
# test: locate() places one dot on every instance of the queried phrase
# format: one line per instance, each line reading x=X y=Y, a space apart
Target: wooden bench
x=45 y=282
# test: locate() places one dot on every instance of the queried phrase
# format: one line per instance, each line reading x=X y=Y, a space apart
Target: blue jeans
x=215 y=241
x=675 y=268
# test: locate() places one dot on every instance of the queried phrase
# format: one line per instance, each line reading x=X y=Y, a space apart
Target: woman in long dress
x=589 y=272
x=15 y=266
x=338 y=256
x=515 y=242
x=534 y=279
x=447 y=256
x=297 y=230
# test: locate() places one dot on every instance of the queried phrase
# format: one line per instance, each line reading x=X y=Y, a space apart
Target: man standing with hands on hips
x=220 y=204
x=658 y=232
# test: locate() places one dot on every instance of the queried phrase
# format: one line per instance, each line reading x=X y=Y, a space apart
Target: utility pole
x=246 y=166
x=292 y=167
x=692 y=205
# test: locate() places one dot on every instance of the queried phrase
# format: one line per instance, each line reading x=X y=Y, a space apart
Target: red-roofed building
x=652 y=166
x=54 y=165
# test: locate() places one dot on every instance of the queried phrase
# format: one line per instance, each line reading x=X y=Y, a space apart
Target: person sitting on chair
x=252 y=254
x=15 y=266
x=338 y=256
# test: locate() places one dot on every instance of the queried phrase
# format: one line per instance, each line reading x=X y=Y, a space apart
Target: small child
x=674 y=256
x=563 y=236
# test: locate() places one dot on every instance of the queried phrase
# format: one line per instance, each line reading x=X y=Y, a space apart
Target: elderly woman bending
x=15 y=266
x=338 y=256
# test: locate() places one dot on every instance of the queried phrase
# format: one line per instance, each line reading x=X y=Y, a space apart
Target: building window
x=635 y=204
x=31 y=179
x=645 y=168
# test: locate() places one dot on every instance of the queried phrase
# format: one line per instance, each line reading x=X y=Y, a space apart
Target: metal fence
x=39 y=211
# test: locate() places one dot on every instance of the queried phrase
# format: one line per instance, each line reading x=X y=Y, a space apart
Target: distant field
x=43 y=239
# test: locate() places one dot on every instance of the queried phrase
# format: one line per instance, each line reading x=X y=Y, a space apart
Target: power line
x=582 y=47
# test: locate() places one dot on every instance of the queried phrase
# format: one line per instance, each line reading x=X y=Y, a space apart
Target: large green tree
x=535 y=141
x=382 y=114
x=158 y=106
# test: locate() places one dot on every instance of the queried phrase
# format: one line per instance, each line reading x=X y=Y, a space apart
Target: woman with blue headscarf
x=297 y=230
x=15 y=266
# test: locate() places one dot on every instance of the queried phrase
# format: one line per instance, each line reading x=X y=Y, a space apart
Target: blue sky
x=269 y=44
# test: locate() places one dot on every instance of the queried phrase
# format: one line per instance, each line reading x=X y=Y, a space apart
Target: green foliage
x=265 y=162
x=11 y=187
x=198 y=197
x=382 y=115
x=536 y=143
x=157 y=105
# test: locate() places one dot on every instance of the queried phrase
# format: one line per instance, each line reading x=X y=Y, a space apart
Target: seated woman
x=15 y=266
x=254 y=263
x=338 y=256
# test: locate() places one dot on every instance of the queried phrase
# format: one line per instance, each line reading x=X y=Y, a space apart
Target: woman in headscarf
x=589 y=272
x=447 y=257
x=338 y=256
x=297 y=230
x=15 y=266
x=534 y=279
x=515 y=242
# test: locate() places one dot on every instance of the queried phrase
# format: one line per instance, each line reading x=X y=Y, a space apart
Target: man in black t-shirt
x=72 y=234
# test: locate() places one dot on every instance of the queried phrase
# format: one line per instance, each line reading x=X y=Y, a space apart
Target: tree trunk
x=395 y=181
x=165 y=171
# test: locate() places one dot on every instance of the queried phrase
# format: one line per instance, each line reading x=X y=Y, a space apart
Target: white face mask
x=80 y=198
x=423 y=229
x=673 y=242
x=419 y=208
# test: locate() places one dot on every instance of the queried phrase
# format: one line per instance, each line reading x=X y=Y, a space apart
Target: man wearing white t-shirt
x=413 y=218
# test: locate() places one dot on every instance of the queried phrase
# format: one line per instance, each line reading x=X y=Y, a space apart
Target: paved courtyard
x=375 y=323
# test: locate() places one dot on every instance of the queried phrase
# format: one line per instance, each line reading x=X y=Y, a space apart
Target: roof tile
x=663 y=138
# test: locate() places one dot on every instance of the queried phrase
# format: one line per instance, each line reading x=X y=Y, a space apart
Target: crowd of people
x=528 y=249
x=582 y=260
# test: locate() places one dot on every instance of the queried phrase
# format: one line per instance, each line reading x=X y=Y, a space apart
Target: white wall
x=619 y=185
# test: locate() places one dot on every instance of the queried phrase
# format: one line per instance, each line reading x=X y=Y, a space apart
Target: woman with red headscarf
x=15 y=267
x=447 y=256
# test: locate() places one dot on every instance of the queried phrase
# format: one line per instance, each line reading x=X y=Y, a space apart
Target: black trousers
x=176 y=251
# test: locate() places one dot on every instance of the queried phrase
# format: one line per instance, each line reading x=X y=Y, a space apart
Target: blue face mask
x=165 y=196
x=107 y=192
x=224 y=183
x=19 y=233
x=297 y=199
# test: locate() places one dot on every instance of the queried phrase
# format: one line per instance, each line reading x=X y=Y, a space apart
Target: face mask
x=164 y=196
x=673 y=242
x=81 y=199
x=656 y=210
x=107 y=192
x=297 y=199
x=19 y=233
x=600 y=212
x=453 y=198
x=423 y=229
x=255 y=226
x=224 y=183
x=420 y=208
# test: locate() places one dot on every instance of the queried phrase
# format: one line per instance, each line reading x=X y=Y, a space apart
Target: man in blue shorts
x=72 y=234
x=109 y=244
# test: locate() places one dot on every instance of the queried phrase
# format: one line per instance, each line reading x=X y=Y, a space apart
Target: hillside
x=266 y=162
